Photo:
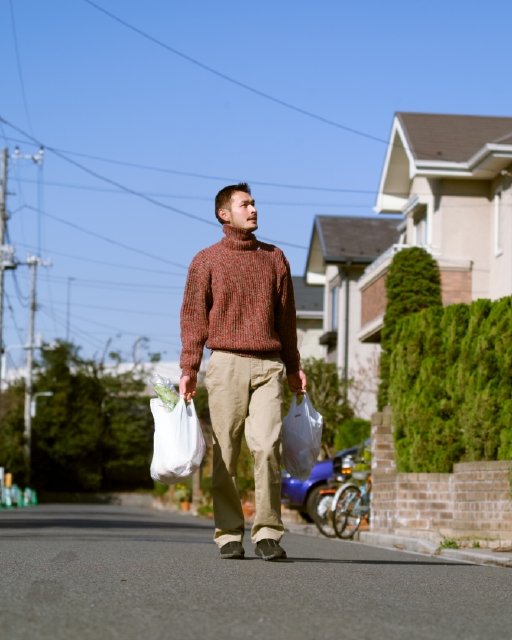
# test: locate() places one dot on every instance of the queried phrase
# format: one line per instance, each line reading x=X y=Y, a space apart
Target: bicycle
x=322 y=512
x=350 y=505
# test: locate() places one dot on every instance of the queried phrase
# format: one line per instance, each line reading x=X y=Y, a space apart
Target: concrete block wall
x=471 y=504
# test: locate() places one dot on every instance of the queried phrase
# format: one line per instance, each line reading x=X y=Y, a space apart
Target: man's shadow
x=370 y=562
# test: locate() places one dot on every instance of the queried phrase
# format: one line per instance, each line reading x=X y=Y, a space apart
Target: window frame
x=498 y=223
x=334 y=307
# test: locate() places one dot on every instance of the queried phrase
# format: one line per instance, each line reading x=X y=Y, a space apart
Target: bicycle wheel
x=322 y=514
x=345 y=521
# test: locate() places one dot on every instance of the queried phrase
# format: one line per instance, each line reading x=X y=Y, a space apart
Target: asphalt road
x=100 y=572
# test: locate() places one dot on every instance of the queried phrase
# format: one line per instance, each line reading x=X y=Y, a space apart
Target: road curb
x=414 y=545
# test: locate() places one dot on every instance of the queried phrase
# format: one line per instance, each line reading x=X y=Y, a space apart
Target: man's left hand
x=297 y=382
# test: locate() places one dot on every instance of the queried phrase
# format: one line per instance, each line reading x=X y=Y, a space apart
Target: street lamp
x=33 y=401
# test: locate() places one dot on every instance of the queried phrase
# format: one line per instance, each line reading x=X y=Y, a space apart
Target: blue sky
x=94 y=87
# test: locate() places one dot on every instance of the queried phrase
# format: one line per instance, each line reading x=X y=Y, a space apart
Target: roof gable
x=344 y=239
x=441 y=146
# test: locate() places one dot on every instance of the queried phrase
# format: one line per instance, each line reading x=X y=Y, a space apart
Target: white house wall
x=308 y=342
x=466 y=228
x=362 y=357
x=500 y=280
x=460 y=219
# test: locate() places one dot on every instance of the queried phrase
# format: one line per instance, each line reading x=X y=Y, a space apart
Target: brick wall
x=373 y=299
x=455 y=286
x=472 y=503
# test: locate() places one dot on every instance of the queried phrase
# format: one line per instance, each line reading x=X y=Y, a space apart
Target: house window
x=420 y=228
x=334 y=309
x=498 y=224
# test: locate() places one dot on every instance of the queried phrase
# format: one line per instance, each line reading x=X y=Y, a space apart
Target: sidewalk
x=414 y=545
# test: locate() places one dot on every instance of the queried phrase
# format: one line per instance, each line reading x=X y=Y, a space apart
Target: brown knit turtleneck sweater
x=239 y=298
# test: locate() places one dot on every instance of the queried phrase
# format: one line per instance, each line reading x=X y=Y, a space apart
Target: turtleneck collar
x=239 y=239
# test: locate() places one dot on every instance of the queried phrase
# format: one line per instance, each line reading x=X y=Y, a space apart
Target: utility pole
x=3 y=220
x=5 y=254
x=33 y=262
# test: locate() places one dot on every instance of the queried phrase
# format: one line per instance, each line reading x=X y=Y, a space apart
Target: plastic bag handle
x=295 y=396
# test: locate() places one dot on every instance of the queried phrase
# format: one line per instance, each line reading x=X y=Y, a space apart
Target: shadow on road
x=97 y=523
x=390 y=562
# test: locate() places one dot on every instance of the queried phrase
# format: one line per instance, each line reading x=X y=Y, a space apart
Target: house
x=450 y=177
x=340 y=249
x=309 y=302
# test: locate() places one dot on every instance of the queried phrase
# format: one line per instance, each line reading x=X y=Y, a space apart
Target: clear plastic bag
x=302 y=438
x=178 y=442
x=165 y=390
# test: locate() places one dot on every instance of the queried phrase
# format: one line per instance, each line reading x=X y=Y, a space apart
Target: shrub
x=413 y=283
x=451 y=384
x=95 y=433
x=351 y=432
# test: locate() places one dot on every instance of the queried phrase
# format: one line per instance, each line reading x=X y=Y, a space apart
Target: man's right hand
x=187 y=387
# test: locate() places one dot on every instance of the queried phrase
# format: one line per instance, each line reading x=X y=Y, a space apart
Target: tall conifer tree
x=413 y=283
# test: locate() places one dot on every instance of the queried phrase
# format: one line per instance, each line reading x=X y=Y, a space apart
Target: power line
x=19 y=294
x=107 y=326
x=94 y=342
x=11 y=310
x=135 y=288
x=202 y=198
x=200 y=175
x=118 y=284
x=262 y=94
x=102 y=308
x=318 y=205
x=20 y=73
x=107 y=239
x=132 y=191
x=110 y=264
x=219 y=74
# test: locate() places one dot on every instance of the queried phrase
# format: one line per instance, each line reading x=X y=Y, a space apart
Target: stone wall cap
x=483 y=465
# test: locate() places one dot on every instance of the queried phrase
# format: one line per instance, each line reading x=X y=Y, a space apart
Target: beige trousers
x=246 y=391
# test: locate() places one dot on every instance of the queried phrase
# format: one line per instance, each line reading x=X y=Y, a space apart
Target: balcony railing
x=389 y=253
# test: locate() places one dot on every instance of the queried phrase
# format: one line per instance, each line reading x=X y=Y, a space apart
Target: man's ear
x=224 y=215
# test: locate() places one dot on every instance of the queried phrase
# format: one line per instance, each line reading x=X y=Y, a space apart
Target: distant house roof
x=307 y=297
x=434 y=145
x=344 y=239
x=452 y=137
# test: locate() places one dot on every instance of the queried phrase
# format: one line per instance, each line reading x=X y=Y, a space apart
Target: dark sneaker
x=269 y=549
x=232 y=550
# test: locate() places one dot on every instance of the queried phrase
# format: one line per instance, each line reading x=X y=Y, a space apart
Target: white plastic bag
x=302 y=437
x=178 y=444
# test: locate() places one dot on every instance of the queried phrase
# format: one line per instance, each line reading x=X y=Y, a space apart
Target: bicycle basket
x=360 y=475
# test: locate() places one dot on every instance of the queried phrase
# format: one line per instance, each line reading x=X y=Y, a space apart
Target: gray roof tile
x=456 y=138
x=356 y=238
x=307 y=297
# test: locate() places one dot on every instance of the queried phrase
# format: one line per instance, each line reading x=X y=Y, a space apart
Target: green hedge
x=413 y=283
x=451 y=386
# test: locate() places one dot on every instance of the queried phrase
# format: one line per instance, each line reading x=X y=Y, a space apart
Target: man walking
x=239 y=302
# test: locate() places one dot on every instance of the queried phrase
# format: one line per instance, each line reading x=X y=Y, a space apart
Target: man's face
x=242 y=213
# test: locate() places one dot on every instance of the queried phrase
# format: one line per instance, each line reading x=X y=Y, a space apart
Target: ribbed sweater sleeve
x=197 y=302
x=286 y=320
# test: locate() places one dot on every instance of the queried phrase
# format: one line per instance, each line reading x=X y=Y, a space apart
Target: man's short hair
x=223 y=198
